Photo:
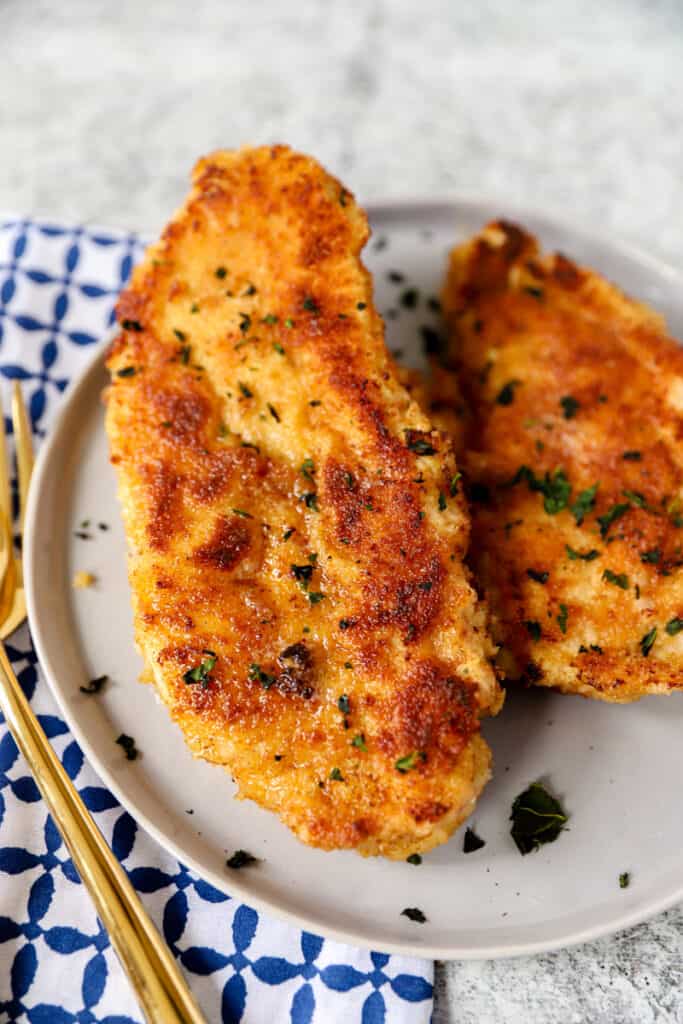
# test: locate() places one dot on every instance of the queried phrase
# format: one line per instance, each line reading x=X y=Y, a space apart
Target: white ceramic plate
x=616 y=769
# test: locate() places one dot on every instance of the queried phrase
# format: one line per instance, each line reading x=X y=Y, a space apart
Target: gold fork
x=154 y=975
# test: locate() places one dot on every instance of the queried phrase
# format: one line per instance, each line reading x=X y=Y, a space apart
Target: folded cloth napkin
x=58 y=286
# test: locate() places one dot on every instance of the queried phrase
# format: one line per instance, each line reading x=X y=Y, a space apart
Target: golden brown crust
x=282 y=500
x=563 y=374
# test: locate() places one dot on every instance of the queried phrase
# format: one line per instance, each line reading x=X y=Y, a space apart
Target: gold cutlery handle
x=153 y=972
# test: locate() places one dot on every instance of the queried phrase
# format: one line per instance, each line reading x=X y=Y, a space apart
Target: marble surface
x=570 y=107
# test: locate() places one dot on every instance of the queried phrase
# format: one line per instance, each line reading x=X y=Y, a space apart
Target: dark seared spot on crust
x=164 y=497
x=410 y=601
x=357 y=392
x=186 y=412
x=430 y=810
x=343 y=496
x=433 y=712
x=565 y=272
x=296 y=664
x=229 y=543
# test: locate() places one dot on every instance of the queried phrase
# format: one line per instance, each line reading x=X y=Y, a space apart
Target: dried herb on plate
x=537 y=818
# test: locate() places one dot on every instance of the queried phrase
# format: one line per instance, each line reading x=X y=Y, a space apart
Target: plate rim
x=232 y=886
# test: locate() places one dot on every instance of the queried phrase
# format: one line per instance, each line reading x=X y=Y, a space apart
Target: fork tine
x=24 y=448
x=5 y=493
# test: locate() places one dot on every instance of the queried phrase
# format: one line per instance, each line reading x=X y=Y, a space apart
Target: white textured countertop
x=570 y=107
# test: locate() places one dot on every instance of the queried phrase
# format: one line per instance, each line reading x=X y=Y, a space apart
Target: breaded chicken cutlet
x=574 y=397
x=295 y=525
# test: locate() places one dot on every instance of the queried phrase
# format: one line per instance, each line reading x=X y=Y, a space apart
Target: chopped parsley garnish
x=336 y=775
x=453 y=487
x=506 y=395
x=359 y=741
x=409 y=298
x=537 y=818
x=570 y=406
x=344 y=704
x=584 y=556
x=674 y=626
x=536 y=293
x=584 y=503
x=128 y=744
x=407 y=763
x=636 y=498
x=241 y=512
x=395 y=277
x=555 y=488
x=611 y=516
x=310 y=500
x=414 y=914
x=245 y=322
x=220 y=273
x=132 y=325
x=307 y=469
x=126 y=371
x=288 y=533
x=624 y=880
x=533 y=628
x=537 y=576
x=418 y=444
x=247 y=392
x=345 y=623
x=315 y=597
x=311 y=305
x=414 y=858
x=250 y=289
x=289 y=323
x=442 y=502
x=185 y=354
x=273 y=412
x=632 y=456
x=278 y=348
x=194 y=308
x=257 y=675
x=361 y=305
x=201 y=673
x=647 y=641
x=471 y=841
x=269 y=318
x=562 y=617
x=241 y=859
x=180 y=335
x=302 y=573
x=652 y=556
x=343 y=197
x=619 y=579
x=593 y=647
x=95 y=685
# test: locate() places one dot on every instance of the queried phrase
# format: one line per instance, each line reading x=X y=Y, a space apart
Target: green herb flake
x=584 y=556
x=632 y=456
x=307 y=469
x=336 y=775
x=180 y=335
x=361 y=305
x=245 y=322
x=257 y=675
x=647 y=641
x=442 y=502
x=220 y=273
x=414 y=914
x=506 y=395
x=409 y=298
x=246 y=391
x=311 y=305
x=315 y=597
x=624 y=880
x=533 y=628
x=289 y=323
x=674 y=626
x=414 y=858
x=273 y=412
x=95 y=685
x=241 y=512
x=453 y=486
x=201 y=673
x=471 y=841
x=278 y=348
x=538 y=576
x=584 y=503
x=126 y=371
x=554 y=487
x=570 y=406
x=194 y=308
x=562 y=617
x=241 y=859
x=269 y=318
x=132 y=325
x=344 y=704
x=128 y=744
x=359 y=742
x=310 y=500
x=409 y=761
x=619 y=579
x=652 y=556
x=537 y=818
x=611 y=516
x=418 y=444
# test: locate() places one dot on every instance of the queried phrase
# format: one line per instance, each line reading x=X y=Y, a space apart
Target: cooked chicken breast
x=574 y=398
x=295 y=525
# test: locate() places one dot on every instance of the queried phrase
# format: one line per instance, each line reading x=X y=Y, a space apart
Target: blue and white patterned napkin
x=58 y=286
